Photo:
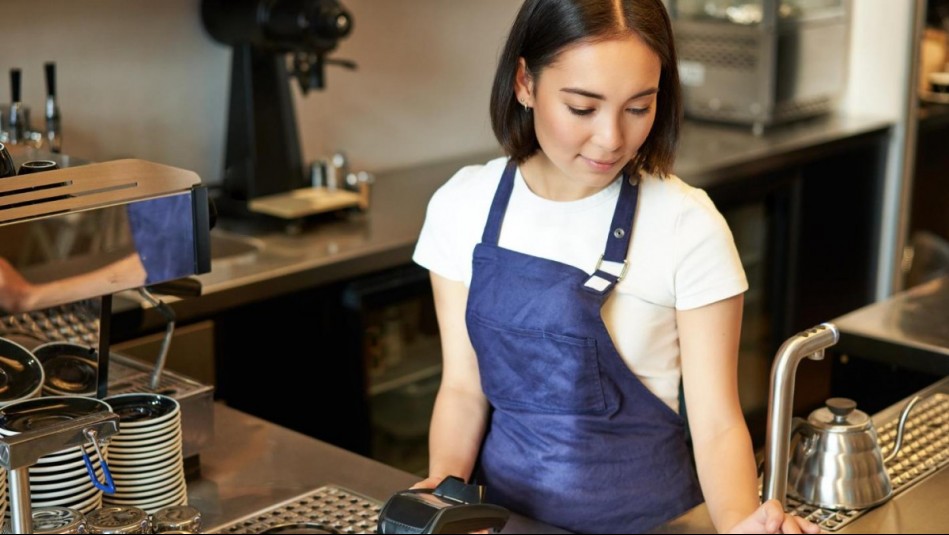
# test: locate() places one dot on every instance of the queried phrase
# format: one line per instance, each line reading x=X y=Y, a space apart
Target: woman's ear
x=524 y=84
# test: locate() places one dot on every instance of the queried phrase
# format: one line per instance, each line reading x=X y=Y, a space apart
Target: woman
x=577 y=282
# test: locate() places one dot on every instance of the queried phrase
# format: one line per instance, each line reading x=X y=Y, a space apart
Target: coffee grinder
x=263 y=150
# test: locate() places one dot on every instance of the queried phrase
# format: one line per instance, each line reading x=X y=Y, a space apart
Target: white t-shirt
x=681 y=255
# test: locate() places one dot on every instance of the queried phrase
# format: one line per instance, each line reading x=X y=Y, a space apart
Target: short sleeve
x=708 y=268
x=434 y=249
x=449 y=232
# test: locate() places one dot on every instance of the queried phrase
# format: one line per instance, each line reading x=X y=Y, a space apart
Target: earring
x=526 y=108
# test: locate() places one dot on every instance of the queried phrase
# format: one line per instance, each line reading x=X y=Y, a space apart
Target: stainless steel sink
x=233 y=247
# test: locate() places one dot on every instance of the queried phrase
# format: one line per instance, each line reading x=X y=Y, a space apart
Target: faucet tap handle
x=810 y=343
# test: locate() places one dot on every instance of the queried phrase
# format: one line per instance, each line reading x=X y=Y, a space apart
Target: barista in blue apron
x=537 y=400
x=572 y=429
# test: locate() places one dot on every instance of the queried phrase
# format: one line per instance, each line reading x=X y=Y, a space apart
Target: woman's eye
x=580 y=111
x=638 y=111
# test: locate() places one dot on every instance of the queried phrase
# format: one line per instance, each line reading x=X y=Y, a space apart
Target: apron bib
x=575 y=439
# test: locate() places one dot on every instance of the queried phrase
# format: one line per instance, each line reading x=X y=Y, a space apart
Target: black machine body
x=263 y=154
x=452 y=507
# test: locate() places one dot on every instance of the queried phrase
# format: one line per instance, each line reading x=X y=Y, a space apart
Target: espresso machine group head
x=263 y=149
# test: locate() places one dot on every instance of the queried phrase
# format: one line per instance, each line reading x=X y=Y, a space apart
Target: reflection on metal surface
x=94 y=230
x=908 y=329
x=924 y=316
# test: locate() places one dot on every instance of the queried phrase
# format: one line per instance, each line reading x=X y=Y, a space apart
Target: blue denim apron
x=575 y=439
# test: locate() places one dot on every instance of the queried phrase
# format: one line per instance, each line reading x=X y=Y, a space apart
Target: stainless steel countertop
x=253 y=465
x=918 y=509
x=910 y=329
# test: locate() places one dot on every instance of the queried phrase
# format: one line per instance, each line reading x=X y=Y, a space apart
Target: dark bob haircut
x=545 y=28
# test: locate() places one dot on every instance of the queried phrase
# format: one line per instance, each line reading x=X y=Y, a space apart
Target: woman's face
x=593 y=108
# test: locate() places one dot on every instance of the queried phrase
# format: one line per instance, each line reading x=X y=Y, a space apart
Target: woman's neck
x=546 y=180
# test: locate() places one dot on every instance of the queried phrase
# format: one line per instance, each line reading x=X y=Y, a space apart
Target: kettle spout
x=904 y=415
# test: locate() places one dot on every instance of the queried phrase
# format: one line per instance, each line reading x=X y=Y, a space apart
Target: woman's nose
x=608 y=135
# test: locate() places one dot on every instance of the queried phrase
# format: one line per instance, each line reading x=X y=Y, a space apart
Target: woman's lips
x=600 y=165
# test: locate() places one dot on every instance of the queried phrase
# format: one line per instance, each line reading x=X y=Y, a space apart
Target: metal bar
x=810 y=343
x=23 y=450
x=20 y=512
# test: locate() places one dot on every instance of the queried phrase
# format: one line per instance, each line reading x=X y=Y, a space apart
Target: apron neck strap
x=612 y=265
x=492 y=229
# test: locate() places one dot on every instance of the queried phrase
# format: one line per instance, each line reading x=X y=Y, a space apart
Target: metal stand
x=19 y=452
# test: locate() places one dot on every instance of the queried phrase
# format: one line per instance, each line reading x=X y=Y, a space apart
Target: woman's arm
x=19 y=295
x=461 y=410
x=708 y=338
x=16 y=293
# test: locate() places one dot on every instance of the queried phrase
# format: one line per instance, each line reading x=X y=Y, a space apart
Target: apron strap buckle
x=606 y=274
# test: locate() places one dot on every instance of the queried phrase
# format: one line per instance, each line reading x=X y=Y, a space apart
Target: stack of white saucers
x=59 y=479
x=145 y=457
x=62 y=480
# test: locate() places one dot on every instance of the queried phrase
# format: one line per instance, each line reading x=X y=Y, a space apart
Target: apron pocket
x=532 y=369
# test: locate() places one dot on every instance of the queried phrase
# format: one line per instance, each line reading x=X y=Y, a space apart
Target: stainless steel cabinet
x=761 y=62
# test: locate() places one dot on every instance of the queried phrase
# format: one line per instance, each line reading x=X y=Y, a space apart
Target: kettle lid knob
x=841 y=408
x=840 y=415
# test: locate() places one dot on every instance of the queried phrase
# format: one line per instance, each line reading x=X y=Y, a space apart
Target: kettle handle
x=796 y=424
x=899 y=430
x=803 y=427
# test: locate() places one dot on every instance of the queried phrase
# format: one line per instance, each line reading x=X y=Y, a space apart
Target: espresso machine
x=69 y=240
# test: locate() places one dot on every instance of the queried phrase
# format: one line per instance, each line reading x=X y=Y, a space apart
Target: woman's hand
x=16 y=293
x=771 y=518
x=428 y=483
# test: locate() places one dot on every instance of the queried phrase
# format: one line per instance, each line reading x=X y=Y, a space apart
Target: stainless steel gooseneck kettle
x=837 y=462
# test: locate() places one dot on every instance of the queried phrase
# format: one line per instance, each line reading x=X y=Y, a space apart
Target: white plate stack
x=59 y=479
x=145 y=457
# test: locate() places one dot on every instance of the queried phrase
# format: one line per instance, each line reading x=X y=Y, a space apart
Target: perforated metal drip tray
x=127 y=374
x=328 y=509
x=78 y=323
x=925 y=450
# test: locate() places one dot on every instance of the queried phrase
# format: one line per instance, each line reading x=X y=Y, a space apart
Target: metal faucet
x=811 y=344
x=19 y=452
